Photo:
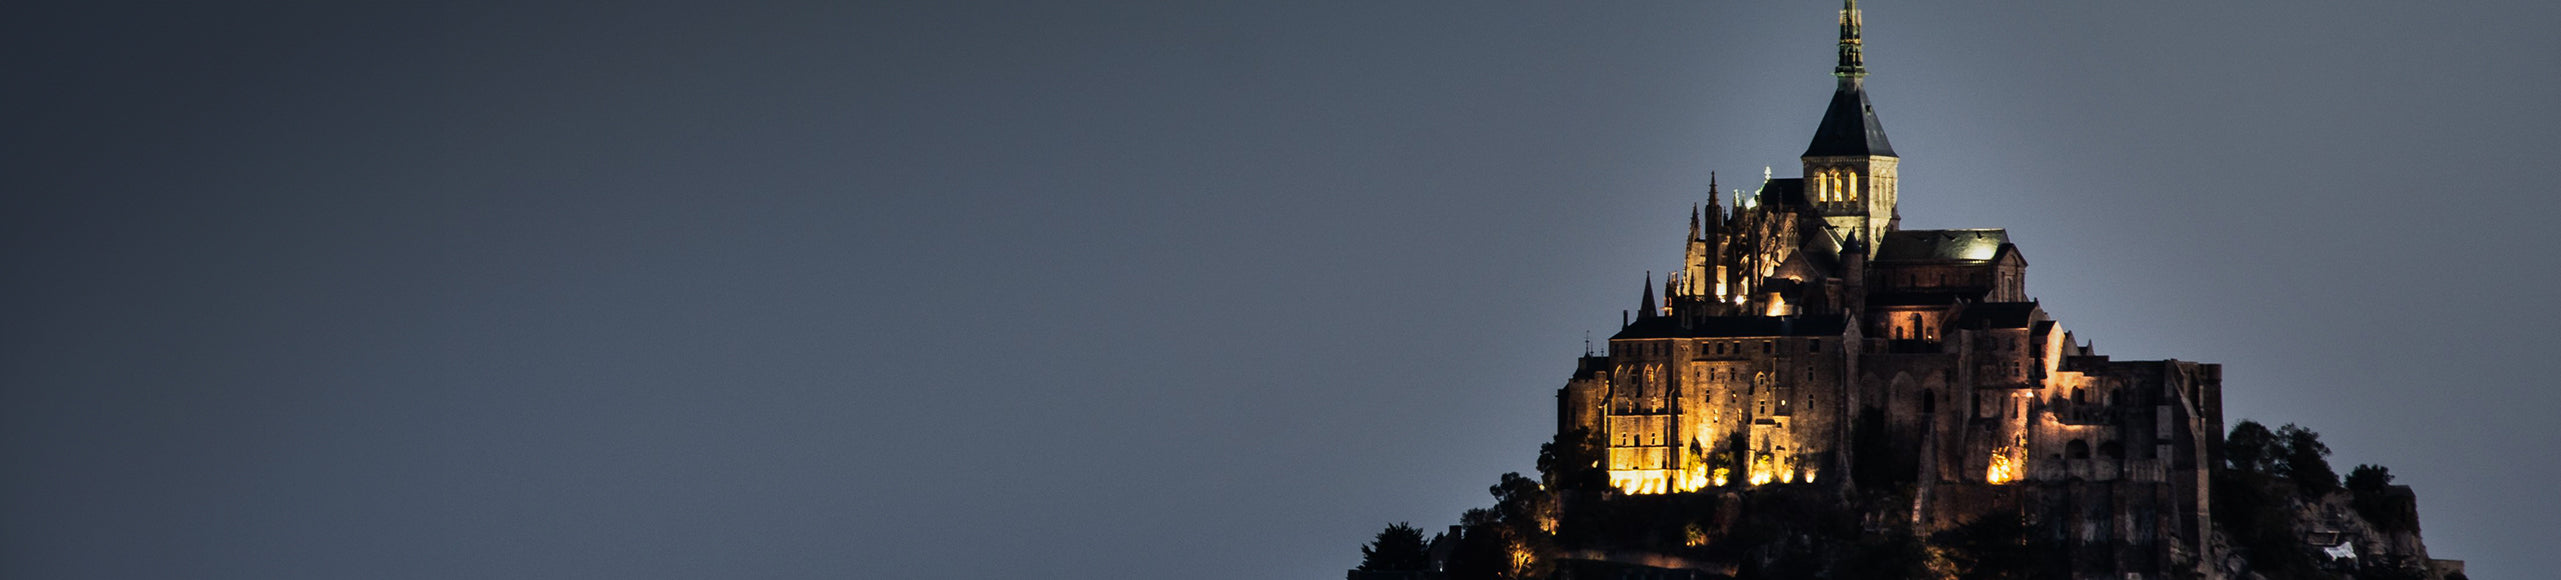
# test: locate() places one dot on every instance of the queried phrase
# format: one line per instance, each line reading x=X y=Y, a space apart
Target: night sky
x=1146 y=289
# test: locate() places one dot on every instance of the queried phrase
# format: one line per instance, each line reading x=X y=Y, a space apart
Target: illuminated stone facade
x=1803 y=318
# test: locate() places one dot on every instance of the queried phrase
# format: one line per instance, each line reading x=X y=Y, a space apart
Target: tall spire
x=1852 y=66
x=1849 y=127
x=1646 y=310
x=1711 y=192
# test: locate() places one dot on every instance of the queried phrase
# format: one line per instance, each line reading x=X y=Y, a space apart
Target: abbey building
x=1808 y=337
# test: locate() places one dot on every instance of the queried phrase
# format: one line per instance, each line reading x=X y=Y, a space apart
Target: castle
x=1807 y=336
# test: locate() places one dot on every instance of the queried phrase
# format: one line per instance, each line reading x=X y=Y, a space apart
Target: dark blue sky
x=1144 y=289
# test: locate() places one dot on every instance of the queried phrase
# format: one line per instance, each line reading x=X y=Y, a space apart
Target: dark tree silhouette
x=1399 y=548
x=2251 y=448
x=1484 y=547
x=2374 y=499
x=1572 y=462
x=2306 y=461
x=2369 y=478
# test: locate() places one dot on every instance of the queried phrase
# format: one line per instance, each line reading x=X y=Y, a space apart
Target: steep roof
x=1736 y=326
x=1941 y=245
x=1998 y=315
x=1849 y=126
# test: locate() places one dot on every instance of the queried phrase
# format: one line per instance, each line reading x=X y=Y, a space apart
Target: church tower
x=1849 y=168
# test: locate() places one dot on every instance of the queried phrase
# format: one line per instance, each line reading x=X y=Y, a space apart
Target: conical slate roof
x=1849 y=127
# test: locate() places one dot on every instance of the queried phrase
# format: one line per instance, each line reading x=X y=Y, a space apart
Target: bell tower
x=1850 y=168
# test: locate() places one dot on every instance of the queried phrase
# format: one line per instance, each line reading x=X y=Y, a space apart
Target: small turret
x=1646 y=309
x=1694 y=231
x=1853 y=62
x=1715 y=213
x=1668 y=292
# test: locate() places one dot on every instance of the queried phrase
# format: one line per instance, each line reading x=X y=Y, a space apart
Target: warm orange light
x=1772 y=467
x=2009 y=463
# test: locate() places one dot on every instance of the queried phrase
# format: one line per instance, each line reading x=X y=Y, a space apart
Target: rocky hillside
x=2280 y=513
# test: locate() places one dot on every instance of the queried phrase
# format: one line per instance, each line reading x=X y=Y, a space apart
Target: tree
x=2306 y=461
x=1521 y=503
x=1998 y=547
x=1482 y=551
x=2370 y=487
x=1572 y=461
x=1399 y=548
x=2367 y=478
x=2251 y=448
x=1898 y=555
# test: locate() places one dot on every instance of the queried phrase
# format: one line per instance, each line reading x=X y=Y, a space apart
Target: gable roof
x=1941 y=245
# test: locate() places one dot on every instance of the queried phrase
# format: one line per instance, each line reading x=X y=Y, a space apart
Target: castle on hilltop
x=1808 y=336
x=1817 y=392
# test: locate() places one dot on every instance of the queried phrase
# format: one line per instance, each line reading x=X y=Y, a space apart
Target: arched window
x=1850 y=185
x=2078 y=449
